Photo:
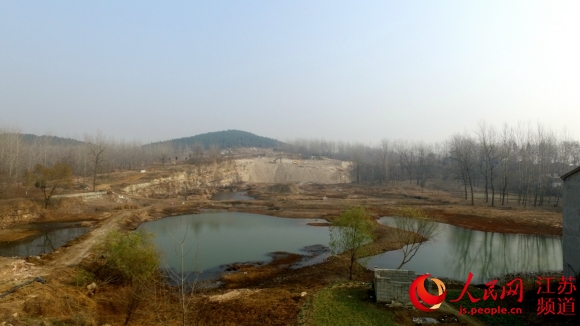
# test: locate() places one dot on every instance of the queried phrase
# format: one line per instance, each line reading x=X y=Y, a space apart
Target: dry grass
x=266 y=307
x=251 y=275
x=126 y=206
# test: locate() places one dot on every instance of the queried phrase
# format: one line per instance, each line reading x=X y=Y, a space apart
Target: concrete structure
x=393 y=284
x=86 y=195
x=571 y=222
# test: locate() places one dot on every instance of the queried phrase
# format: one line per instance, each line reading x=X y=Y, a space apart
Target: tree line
x=23 y=156
x=518 y=164
x=38 y=161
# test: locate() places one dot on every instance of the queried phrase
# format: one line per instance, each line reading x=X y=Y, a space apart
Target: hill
x=55 y=140
x=225 y=139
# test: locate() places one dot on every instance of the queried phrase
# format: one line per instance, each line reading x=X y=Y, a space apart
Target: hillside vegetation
x=225 y=139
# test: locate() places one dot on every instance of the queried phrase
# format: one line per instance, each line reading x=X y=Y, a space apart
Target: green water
x=455 y=251
x=213 y=239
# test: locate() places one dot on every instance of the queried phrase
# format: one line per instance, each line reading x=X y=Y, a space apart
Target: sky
x=356 y=71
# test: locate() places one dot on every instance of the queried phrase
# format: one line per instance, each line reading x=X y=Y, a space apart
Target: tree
x=197 y=151
x=425 y=160
x=506 y=161
x=96 y=149
x=350 y=232
x=10 y=157
x=462 y=151
x=384 y=158
x=356 y=157
x=185 y=280
x=48 y=179
x=130 y=259
x=213 y=152
x=406 y=159
x=489 y=160
x=413 y=229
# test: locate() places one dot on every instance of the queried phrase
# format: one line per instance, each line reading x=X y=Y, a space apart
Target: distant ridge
x=30 y=138
x=224 y=139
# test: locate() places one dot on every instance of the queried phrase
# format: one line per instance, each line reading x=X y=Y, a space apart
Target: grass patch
x=346 y=306
x=82 y=278
x=499 y=319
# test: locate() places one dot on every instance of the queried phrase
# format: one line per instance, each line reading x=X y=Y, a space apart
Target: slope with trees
x=223 y=139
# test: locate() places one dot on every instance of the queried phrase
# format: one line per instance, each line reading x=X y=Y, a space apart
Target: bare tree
x=213 y=152
x=412 y=230
x=384 y=150
x=489 y=160
x=197 y=151
x=96 y=148
x=10 y=157
x=48 y=179
x=462 y=150
x=356 y=157
x=185 y=280
x=506 y=154
x=424 y=162
x=406 y=159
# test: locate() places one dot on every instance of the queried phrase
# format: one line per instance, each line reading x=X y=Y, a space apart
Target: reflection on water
x=455 y=251
x=52 y=236
x=219 y=238
x=229 y=195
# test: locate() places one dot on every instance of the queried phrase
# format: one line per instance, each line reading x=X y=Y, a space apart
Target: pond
x=51 y=237
x=214 y=239
x=454 y=252
x=231 y=195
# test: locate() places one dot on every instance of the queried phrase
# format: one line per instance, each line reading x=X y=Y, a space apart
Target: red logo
x=418 y=291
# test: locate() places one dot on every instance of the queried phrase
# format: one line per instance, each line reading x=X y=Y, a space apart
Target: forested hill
x=54 y=140
x=225 y=139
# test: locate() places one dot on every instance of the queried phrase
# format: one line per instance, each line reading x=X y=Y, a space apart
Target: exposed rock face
x=193 y=179
x=316 y=171
x=189 y=181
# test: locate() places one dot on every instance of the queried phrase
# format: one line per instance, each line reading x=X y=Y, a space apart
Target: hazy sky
x=352 y=70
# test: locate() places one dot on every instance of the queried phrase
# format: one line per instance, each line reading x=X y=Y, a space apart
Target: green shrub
x=128 y=257
x=82 y=278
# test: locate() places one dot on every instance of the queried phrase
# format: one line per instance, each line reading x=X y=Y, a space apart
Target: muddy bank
x=309 y=202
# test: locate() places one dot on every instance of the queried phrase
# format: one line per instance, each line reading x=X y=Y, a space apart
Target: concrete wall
x=83 y=194
x=393 y=284
x=571 y=225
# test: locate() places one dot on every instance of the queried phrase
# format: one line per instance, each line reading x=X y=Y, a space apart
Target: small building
x=571 y=222
x=393 y=284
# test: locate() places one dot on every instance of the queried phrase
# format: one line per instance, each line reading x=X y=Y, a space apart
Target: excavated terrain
x=271 y=293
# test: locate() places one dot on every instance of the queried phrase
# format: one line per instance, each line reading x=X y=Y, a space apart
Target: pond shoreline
x=452 y=252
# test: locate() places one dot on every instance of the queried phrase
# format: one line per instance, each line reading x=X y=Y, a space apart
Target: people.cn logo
x=419 y=292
